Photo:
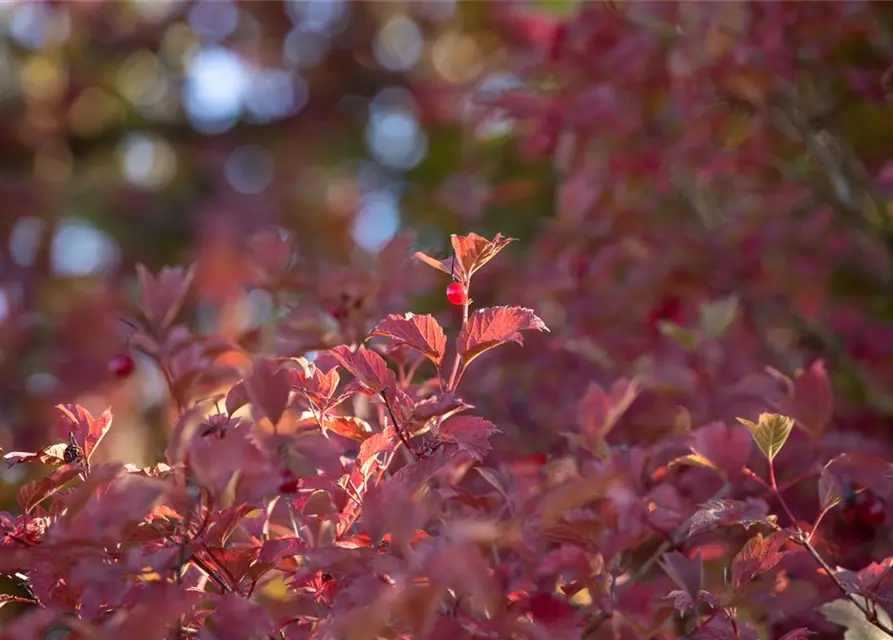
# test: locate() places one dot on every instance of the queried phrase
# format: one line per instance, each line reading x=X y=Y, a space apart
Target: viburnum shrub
x=279 y=512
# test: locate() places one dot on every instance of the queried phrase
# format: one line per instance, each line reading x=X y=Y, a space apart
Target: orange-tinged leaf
x=53 y=454
x=493 y=326
x=422 y=333
x=758 y=556
x=349 y=427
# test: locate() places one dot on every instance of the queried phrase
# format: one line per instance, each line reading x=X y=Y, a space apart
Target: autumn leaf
x=493 y=326
x=422 y=333
x=236 y=397
x=445 y=266
x=683 y=602
x=599 y=410
x=727 y=448
x=685 y=572
x=269 y=388
x=757 y=556
x=770 y=433
x=162 y=296
x=348 y=426
x=88 y=431
x=830 y=490
x=33 y=493
x=801 y=633
x=470 y=433
x=474 y=251
x=874 y=581
x=317 y=385
x=53 y=454
x=366 y=366
x=719 y=513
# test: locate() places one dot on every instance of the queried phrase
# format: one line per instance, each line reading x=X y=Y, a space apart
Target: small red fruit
x=456 y=293
x=870 y=509
x=121 y=366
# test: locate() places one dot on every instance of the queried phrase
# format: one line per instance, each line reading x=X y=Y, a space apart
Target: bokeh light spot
x=398 y=45
x=217 y=80
x=378 y=220
x=249 y=169
x=148 y=162
x=80 y=249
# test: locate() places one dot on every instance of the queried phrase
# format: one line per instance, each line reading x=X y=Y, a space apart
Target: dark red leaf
x=798 y=634
x=422 y=333
x=874 y=581
x=493 y=326
x=317 y=385
x=470 y=433
x=269 y=388
x=724 y=513
x=599 y=410
x=727 y=448
x=688 y=574
x=683 y=602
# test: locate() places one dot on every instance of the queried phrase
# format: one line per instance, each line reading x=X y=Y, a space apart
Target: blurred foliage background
x=163 y=131
x=168 y=131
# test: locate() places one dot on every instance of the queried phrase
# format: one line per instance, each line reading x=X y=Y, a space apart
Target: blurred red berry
x=668 y=309
x=456 y=293
x=121 y=366
x=289 y=482
x=870 y=509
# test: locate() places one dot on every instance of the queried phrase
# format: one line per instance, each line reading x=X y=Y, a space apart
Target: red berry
x=870 y=510
x=121 y=365
x=456 y=293
x=289 y=482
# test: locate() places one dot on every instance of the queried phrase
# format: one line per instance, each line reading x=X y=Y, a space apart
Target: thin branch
x=870 y=614
x=397 y=428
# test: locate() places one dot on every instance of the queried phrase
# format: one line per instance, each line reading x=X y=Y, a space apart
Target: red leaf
x=269 y=388
x=599 y=411
x=310 y=380
x=441 y=265
x=53 y=454
x=728 y=448
x=493 y=326
x=687 y=573
x=758 y=556
x=348 y=426
x=33 y=493
x=96 y=432
x=443 y=405
x=874 y=582
x=473 y=251
x=798 y=634
x=683 y=602
x=126 y=501
x=236 y=397
x=162 y=297
x=813 y=403
x=422 y=333
x=366 y=366
x=470 y=433
x=724 y=513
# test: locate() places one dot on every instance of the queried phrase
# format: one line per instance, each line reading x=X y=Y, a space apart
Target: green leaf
x=848 y=615
x=717 y=316
x=770 y=433
x=684 y=337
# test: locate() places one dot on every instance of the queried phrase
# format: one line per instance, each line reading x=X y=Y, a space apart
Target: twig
x=870 y=614
x=397 y=428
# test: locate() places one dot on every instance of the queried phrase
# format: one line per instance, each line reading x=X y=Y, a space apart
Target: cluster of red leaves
x=294 y=505
x=281 y=515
